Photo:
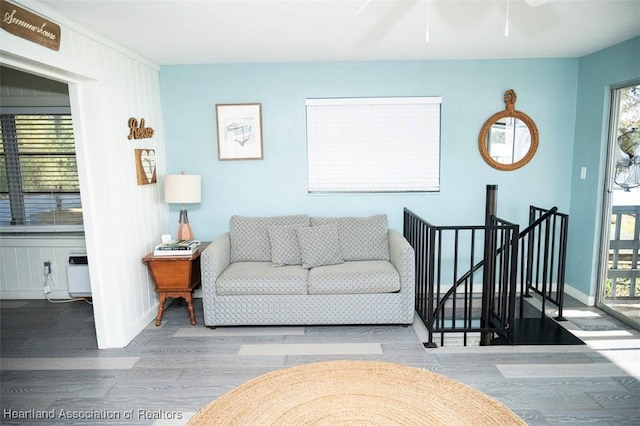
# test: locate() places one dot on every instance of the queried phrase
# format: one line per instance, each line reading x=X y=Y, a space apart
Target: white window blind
x=38 y=172
x=373 y=144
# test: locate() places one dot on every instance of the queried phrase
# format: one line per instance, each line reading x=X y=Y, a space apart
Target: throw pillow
x=319 y=245
x=284 y=246
x=361 y=238
x=250 y=239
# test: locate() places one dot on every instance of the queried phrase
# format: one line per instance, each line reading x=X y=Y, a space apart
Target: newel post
x=488 y=275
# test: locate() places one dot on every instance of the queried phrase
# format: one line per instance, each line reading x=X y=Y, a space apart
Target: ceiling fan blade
x=363 y=7
x=536 y=3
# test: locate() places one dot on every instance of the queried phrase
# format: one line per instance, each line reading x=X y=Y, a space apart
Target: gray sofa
x=302 y=270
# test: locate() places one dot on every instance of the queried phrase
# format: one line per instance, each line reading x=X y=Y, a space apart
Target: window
x=373 y=144
x=38 y=172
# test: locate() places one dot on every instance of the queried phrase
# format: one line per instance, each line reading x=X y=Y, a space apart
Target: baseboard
x=580 y=296
x=136 y=328
x=33 y=295
x=419 y=328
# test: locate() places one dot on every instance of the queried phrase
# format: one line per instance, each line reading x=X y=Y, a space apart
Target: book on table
x=176 y=248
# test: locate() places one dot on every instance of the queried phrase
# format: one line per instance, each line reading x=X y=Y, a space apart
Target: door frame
x=78 y=79
x=607 y=201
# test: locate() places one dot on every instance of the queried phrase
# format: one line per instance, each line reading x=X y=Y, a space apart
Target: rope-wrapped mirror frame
x=510 y=111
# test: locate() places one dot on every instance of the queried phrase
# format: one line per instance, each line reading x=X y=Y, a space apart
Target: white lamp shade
x=183 y=189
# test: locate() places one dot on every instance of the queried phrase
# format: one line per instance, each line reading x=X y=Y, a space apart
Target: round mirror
x=508 y=139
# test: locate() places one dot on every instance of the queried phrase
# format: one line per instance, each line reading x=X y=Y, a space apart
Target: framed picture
x=239 y=131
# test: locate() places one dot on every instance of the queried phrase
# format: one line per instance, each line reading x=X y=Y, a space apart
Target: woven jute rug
x=354 y=393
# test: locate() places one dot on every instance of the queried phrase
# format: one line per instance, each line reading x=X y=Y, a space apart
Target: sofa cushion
x=260 y=278
x=361 y=277
x=319 y=245
x=361 y=238
x=284 y=246
x=250 y=238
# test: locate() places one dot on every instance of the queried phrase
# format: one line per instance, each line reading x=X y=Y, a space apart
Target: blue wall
x=567 y=98
x=471 y=91
x=598 y=72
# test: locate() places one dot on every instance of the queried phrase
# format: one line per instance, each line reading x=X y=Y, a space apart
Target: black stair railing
x=447 y=300
x=421 y=236
x=543 y=254
x=457 y=308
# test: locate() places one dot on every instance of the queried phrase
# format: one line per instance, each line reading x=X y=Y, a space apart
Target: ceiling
x=227 y=31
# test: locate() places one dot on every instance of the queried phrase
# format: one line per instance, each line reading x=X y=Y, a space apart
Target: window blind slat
x=38 y=171
x=373 y=144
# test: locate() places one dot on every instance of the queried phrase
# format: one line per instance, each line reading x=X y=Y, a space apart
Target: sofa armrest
x=402 y=258
x=213 y=261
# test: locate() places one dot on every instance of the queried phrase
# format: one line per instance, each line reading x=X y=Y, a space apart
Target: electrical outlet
x=47 y=289
x=47 y=267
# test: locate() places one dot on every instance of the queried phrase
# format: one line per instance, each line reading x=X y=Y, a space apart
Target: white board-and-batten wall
x=122 y=220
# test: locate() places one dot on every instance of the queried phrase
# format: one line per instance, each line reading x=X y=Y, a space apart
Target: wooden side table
x=175 y=276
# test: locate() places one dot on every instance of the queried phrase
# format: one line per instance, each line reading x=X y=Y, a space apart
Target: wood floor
x=51 y=367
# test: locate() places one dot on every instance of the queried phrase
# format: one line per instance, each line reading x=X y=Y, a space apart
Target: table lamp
x=183 y=189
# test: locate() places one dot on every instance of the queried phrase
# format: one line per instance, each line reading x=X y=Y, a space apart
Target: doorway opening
x=619 y=284
x=41 y=217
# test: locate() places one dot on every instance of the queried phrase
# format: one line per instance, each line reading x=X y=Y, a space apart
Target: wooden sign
x=145 y=166
x=138 y=131
x=32 y=27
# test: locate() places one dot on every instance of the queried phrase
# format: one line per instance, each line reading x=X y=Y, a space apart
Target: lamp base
x=184 y=230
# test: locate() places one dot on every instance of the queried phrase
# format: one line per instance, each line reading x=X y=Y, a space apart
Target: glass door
x=619 y=292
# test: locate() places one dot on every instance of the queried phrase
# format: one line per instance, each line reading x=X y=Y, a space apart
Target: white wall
x=107 y=86
x=21 y=265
